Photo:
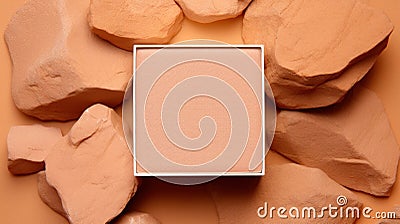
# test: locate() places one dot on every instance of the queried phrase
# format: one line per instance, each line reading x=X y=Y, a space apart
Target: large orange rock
x=351 y=141
x=124 y=23
x=315 y=50
x=92 y=168
x=250 y=200
x=59 y=67
x=207 y=11
x=292 y=95
x=28 y=146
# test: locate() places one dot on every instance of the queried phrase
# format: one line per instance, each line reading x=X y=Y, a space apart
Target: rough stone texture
x=351 y=141
x=207 y=11
x=59 y=67
x=327 y=93
x=28 y=145
x=49 y=195
x=136 y=218
x=318 y=67
x=144 y=22
x=92 y=168
x=288 y=185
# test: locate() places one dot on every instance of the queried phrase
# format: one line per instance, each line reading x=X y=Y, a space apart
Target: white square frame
x=197 y=174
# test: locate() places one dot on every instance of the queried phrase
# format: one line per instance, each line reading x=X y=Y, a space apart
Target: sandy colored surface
x=364 y=160
x=72 y=54
x=197 y=108
x=20 y=202
x=164 y=23
x=276 y=187
x=312 y=60
x=91 y=168
x=28 y=146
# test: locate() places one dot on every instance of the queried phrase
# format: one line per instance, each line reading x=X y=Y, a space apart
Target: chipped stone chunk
x=28 y=146
x=315 y=50
x=59 y=67
x=124 y=23
x=352 y=142
x=92 y=168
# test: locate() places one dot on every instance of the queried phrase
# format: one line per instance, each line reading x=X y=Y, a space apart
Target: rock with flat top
x=124 y=23
x=339 y=43
x=288 y=186
x=28 y=146
x=136 y=218
x=207 y=11
x=59 y=67
x=351 y=141
x=328 y=93
x=49 y=195
x=92 y=168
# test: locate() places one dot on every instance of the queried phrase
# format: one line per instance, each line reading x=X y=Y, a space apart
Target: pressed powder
x=192 y=108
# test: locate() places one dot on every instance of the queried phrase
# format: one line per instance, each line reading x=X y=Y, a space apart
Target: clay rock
x=124 y=23
x=59 y=67
x=327 y=93
x=136 y=218
x=208 y=11
x=288 y=185
x=49 y=195
x=28 y=146
x=351 y=141
x=338 y=45
x=92 y=168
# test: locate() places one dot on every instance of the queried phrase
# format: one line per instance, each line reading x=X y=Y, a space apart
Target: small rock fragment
x=207 y=11
x=351 y=141
x=92 y=168
x=288 y=186
x=59 y=67
x=49 y=195
x=124 y=23
x=307 y=71
x=136 y=218
x=28 y=145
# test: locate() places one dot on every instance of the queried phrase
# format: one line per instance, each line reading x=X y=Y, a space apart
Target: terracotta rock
x=292 y=95
x=92 y=168
x=289 y=185
x=28 y=145
x=59 y=67
x=49 y=195
x=207 y=11
x=150 y=21
x=317 y=71
x=352 y=142
x=136 y=218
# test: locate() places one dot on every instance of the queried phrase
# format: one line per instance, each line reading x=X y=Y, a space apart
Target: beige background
x=20 y=203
